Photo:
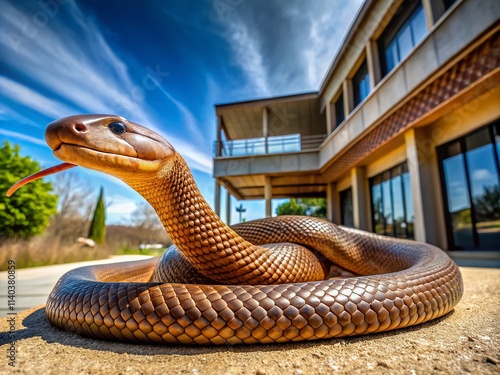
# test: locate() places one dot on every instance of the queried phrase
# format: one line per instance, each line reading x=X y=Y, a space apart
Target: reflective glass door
x=471 y=182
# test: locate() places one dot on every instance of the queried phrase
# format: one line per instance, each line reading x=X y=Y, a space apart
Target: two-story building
x=403 y=136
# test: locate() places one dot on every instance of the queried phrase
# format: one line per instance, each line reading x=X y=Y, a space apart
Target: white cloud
x=289 y=47
x=482 y=175
x=118 y=204
x=248 y=55
x=34 y=100
x=90 y=77
x=23 y=137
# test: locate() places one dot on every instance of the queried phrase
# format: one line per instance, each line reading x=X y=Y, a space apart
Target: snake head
x=109 y=144
x=106 y=143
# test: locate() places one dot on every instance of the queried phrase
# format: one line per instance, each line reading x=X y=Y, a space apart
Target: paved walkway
x=33 y=285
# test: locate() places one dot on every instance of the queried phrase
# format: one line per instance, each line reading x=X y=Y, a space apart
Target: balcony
x=271 y=145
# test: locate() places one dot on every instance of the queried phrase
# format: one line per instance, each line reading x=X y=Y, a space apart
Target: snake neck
x=211 y=246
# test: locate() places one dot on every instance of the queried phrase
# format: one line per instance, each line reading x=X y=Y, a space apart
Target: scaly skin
x=407 y=282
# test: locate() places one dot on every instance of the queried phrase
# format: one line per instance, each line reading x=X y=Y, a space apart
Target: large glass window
x=361 y=84
x=392 y=205
x=406 y=29
x=346 y=207
x=471 y=182
x=339 y=110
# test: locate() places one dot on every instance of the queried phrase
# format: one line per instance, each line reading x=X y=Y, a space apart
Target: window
x=346 y=207
x=392 y=206
x=470 y=176
x=339 y=110
x=448 y=3
x=406 y=29
x=361 y=84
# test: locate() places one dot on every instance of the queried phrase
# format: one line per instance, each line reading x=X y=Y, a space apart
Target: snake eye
x=117 y=128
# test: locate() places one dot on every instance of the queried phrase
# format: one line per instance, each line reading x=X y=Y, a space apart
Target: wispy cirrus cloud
x=33 y=99
x=23 y=137
x=86 y=75
x=287 y=48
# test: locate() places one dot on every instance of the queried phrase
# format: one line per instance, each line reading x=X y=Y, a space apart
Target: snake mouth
x=35 y=176
x=99 y=160
x=64 y=151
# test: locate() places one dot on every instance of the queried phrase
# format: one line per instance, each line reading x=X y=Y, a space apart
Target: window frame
x=401 y=18
x=340 y=99
x=494 y=130
x=377 y=180
x=357 y=83
x=346 y=193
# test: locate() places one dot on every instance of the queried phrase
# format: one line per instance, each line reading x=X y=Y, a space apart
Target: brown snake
x=178 y=298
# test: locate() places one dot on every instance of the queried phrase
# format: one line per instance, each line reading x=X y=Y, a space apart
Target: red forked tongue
x=37 y=175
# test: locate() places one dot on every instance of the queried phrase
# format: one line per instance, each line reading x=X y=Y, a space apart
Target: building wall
x=447 y=86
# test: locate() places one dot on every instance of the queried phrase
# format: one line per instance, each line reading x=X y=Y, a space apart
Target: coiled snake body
x=258 y=282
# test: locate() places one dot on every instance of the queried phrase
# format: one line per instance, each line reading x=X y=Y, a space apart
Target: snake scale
x=263 y=281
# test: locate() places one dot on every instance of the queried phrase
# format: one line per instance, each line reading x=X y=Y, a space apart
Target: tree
x=97 y=231
x=488 y=204
x=27 y=212
x=145 y=217
x=306 y=206
x=74 y=208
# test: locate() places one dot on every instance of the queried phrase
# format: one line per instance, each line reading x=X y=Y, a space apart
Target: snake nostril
x=80 y=128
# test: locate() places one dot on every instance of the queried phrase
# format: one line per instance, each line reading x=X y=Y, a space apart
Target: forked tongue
x=37 y=175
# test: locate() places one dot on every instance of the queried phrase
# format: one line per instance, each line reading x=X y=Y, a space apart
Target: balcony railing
x=270 y=145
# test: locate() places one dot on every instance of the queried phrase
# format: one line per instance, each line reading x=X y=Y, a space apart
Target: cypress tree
x=97 y=231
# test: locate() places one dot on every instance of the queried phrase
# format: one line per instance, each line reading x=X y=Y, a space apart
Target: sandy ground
x=465 y=341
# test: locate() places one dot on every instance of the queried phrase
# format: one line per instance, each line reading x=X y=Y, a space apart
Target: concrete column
x=330 y=117
x=268 y=195
x=218 y=147
x=265 y=127
x=416 y=183
x=433 y=10
x=228 y=207
x=348 y=97
x=217 y=198
x=333 y=213
x=360 y=199
x=373 y=63
x=425 y=189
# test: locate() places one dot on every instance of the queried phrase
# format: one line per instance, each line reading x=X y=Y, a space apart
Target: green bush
x=27 y=212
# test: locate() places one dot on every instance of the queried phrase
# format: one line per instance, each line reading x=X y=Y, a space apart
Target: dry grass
x=45 y=250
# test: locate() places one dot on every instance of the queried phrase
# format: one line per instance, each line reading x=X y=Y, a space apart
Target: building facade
x=402 y=138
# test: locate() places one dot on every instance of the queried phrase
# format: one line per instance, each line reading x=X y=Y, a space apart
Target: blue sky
x=162 y=64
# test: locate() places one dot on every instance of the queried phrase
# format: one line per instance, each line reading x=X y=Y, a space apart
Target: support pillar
x=218 y=146
x=330 y=117
x=333 y=204
x=268 y=195
x=228 y=208
x=217 y=198
x=373 y=63
x=360 y=199
x=427 y=215
x=265 y=127
x=433 y=11
x=348 y=97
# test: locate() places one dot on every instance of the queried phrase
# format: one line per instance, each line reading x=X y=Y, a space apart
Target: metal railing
x=270 y=145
